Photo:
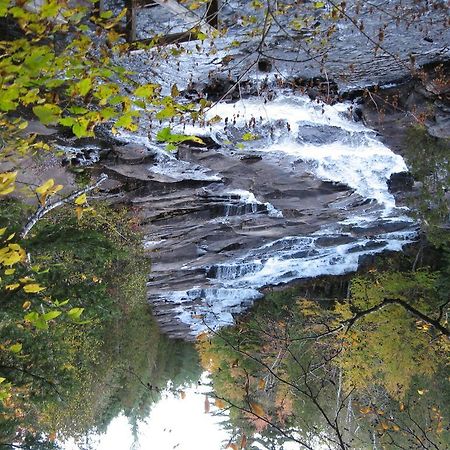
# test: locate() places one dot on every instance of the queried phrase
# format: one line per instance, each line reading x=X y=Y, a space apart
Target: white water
x=354 y=158
x=361 y=162
x=248 y=198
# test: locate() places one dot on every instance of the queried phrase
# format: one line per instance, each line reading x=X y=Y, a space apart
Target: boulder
x=400 y=182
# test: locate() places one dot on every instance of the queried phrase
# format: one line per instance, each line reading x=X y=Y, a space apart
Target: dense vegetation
x=335 y=363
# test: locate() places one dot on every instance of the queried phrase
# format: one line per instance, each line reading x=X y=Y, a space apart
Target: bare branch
x=46 y=208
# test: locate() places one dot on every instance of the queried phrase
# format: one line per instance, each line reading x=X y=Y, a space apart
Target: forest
x=249 y=193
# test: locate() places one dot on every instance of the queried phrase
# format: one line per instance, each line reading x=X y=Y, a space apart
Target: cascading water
x=313 y=200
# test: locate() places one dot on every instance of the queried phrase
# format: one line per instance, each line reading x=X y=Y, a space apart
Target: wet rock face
x=423 y=100
x=295 y=201
x=320 y=135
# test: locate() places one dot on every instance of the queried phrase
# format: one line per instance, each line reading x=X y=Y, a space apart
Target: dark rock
x=357 y=114
x=221 y=88
x=264 y=65
x=251 y=158
x=318 y=88
x=400 y=182
x=330 y=241
x=133 y=154
x=371 y=245
x=320 y=134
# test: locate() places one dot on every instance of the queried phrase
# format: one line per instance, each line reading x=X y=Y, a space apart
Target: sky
x=174 y=423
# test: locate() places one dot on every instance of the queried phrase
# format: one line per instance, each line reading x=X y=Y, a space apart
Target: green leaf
x=171 y=147
x=126 y=120
x=58 y=303
x=83 y=86
x=67 y=121
x=31 y=317
x=48 y=113
x=41 y=323
x=78 y=110
x=249 y=137
x=116 y=99
x=108 y=113
x=146 y=91
x=167 y=113
x=39 y=59
x=54 y=83
x=165 y=135
x=106 y=15
x=15 y=348
x=75 y=313
x=51 y=315
x=80 y=129
x=3 y=10
x=8 y=98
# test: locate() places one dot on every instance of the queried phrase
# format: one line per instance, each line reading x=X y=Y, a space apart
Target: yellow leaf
x=257 y=409
x=47 y=189
x=10 y=237
x=365 y=410
x=395 y=427
x=9 y=271
x=220 y=403
x=402 y=406
x=79 y=212
x=261 y=384
x=81 y=200
x=33 y=288
x=55 y=189
x=233 y=446
x=207 y=405
x=7 y=180
x=25 y=279
x=26 y=305
x=11 y=287
x=43 y=188
x=2 y=231
x=384 y=425
x=182 y=395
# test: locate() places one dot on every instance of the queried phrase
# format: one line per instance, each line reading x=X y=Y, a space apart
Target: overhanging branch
x=46 y=208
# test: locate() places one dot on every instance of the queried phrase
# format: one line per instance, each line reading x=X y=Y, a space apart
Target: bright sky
x=174 y=423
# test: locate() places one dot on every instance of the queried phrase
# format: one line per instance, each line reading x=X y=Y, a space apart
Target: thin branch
x=46 y=208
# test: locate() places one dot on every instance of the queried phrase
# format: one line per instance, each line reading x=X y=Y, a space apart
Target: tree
x=346 y=373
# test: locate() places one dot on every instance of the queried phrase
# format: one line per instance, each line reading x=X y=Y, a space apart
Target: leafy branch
x=46 y=208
